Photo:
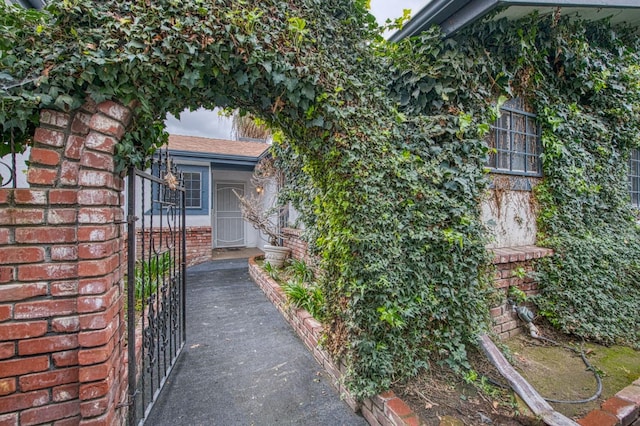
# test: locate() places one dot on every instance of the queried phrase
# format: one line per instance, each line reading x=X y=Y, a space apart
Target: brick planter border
x=623 y=409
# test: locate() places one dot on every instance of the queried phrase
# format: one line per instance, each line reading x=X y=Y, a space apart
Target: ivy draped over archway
x=389 y=191
x=308 y=68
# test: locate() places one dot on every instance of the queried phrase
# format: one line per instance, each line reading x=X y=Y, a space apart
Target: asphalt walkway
x=242 y=363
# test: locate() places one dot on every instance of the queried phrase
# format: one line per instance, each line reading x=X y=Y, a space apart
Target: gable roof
x=219 y=153
x=221 y=147
x=453 y=15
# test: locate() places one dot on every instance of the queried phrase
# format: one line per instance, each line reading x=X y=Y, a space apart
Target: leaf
x=191 y=78
x=136 y=44
x=317 y=122
x=241 y=78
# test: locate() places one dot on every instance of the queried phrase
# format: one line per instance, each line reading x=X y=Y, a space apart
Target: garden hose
x=589 y=367
x=527 y=317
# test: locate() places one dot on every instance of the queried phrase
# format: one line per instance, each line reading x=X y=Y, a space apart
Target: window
x=195 y=180
x=515 y=141
x=634 y=178
x=192 y=182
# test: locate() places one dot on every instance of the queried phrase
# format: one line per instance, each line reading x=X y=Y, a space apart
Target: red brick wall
x=293 y=241
x=199 y=244
x=61 y=303
x=510 y=263
x=198 y=239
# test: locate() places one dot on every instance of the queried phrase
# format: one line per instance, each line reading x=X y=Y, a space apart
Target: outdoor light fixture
x=259 y=189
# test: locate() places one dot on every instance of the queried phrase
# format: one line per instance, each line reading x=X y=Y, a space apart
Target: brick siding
x=61 y=294
x=293 y=241
x=509 y=265
x=198 y=241
x=199 y=244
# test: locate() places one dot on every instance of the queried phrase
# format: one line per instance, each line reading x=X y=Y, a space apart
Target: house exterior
x=509 y=210
x=212 y=170
x=453 y=15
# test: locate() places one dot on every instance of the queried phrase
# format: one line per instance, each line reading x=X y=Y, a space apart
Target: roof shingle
x=216 y=146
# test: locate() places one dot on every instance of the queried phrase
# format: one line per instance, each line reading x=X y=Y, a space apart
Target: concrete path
x=242 y=363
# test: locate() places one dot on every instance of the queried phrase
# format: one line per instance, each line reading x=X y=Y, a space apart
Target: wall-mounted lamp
x=259 y=189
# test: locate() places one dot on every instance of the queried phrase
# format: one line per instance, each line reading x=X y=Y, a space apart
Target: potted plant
x=266 y=214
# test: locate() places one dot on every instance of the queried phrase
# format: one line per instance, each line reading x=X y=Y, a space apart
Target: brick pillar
x=61 y=294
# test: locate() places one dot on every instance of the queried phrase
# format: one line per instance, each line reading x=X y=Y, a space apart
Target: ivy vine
x=383 y=145
x=583 y=80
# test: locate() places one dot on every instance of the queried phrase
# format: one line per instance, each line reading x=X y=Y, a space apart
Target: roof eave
x=434 y=12
x=452 y=15
x=220 y=158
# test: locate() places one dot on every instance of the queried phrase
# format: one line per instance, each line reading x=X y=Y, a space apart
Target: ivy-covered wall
x=383 y=145
x=583 y=81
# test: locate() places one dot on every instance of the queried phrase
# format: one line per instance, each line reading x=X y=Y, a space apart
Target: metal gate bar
x=156 y=272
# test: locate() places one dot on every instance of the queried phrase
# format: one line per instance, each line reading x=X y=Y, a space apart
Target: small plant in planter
x=266 y=217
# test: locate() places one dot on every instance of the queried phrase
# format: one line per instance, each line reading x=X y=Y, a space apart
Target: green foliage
x=302 y=291
x=387 y=204
x=591 y=286
x=150 y=273
x=516 y=295
x=307 y=296
x=271 y=270
x=582 y=80
x=300 y=271
x=389 y=187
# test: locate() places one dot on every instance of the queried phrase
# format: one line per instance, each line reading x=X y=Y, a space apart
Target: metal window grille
x=515 y=141
x=634 y=178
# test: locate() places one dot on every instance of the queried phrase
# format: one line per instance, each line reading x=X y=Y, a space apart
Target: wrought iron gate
x=155 y=281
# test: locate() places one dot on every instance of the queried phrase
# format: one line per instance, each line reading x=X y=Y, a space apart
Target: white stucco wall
x=510 y=217
x=21 y=169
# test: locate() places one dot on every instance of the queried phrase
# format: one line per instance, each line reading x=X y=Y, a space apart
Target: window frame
x=204 y=173
x=634 y=165
x=510 y=108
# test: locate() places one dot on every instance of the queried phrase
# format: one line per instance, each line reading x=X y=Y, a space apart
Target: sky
x=210 y=124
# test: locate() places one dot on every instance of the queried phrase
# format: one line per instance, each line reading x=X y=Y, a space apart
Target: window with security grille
x=515 y=141
x=634 y=178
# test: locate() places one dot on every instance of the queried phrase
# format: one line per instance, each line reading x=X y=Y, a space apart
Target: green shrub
x=150 y=273
x=306 y=296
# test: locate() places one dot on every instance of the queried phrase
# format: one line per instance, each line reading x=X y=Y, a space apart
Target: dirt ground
x=558 y=372
x=443 y=398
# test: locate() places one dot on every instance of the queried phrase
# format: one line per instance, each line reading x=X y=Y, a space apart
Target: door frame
x=214 y=215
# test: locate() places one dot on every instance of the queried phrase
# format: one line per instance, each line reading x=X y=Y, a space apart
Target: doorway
x=228 y=222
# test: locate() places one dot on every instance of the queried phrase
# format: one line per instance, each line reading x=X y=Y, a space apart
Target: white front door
x=229 y=226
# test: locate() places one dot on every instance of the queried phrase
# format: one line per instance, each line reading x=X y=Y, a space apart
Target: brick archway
x=62 y=354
